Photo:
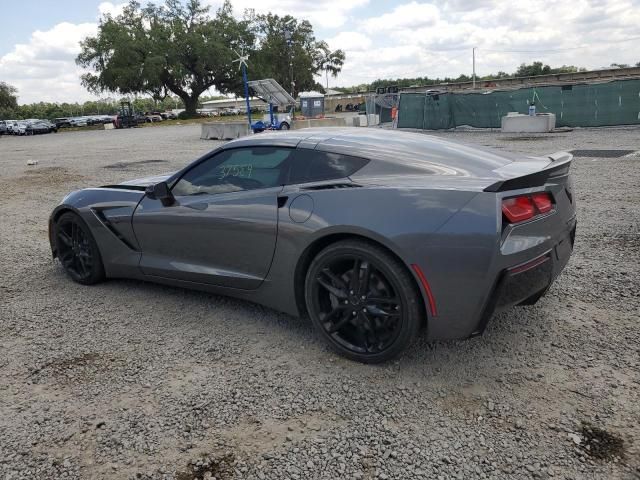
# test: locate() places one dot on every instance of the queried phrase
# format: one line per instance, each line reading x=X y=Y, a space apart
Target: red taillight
x=543 y=202
x=518 y=209
x=525 y=207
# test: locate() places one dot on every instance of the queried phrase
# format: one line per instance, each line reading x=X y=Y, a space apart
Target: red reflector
x=543 y=202
x=427 y=289
x=518 y=209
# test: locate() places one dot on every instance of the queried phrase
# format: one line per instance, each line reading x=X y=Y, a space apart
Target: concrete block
x=224 y=130
x=374 y=119
x=320 y=122
x=359 y=120
x=540 y=123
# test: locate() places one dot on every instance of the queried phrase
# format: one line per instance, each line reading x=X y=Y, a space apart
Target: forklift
x=127 y=118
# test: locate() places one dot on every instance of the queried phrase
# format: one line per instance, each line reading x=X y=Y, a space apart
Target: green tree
x=330 y=61
x=535 y=69
x=175 y=47
x=287 y=51
x=8 y=100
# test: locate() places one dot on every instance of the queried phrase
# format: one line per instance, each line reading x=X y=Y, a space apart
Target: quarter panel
x=403 y=220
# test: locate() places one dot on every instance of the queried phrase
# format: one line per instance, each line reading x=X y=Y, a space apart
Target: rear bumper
x=527 y=282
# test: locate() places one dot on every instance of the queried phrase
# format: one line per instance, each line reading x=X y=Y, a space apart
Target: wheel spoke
x=366 y=278
x=376 y=311
x=67 y=259
x=392 y=301
x=83 y=264
x=336 y=291
x=346 y=317
x=354 y=281
x=335 y=279
x=373 y=332
x=65 y=238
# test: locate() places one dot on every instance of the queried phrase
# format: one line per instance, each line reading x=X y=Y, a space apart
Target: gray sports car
x=371 y=233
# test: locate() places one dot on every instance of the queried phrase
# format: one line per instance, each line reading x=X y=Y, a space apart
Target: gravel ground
x=134 y=380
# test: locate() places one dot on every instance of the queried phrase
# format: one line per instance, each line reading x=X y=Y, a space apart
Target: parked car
x=34 y=128
x=78 y=122
x=11 y=124
x=3 y=127
x=19 y=128
x=169 y=115
x=62 y=122
x=436 y=233
x=153 y=117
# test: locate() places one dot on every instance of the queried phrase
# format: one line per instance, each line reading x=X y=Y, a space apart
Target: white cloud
x=439 y=36
x=408 y=16
x=321 y=13
x=113 y=9
x=44 y=69
x=349 y=42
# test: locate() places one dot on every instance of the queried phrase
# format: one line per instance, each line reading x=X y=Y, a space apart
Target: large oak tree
x=179 y=47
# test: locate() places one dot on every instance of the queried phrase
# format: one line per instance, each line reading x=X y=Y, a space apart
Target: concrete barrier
x=520 y=123
x=320 y=122
x=224 y=130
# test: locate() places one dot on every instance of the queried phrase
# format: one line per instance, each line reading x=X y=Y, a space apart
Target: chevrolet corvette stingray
x=371 y=233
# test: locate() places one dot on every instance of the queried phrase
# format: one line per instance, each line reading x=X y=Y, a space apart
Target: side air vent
x=105 y=221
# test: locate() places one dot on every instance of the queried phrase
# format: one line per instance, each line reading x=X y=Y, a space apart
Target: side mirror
x=160 y=191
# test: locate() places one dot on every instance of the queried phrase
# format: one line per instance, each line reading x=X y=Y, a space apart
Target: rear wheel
x=363 y=301
x=77 y=250
x=284 y=126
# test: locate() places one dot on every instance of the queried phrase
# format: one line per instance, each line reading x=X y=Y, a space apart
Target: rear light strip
x=530 y=264
x=525 y=207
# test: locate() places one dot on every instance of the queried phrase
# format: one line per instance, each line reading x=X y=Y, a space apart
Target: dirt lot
x=134 y=380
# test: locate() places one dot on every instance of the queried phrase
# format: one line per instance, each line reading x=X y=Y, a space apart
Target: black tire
x=380 y=316
x=284 y=126
x=77 y=250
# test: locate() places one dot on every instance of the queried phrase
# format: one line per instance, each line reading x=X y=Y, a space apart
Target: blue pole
x=246 y=93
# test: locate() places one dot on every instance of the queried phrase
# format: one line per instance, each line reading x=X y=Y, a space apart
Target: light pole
x=474 y=67
x=242 y=62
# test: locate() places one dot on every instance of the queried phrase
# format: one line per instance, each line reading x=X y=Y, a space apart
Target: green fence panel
x=614 y=103
x=437 y=112
x=411 y=110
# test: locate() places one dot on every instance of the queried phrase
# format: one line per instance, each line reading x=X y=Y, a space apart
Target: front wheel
x=77 y=250
x=284 y=126
x=363 y=301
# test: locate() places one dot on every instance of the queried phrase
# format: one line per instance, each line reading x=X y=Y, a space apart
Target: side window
x=315 y=165
x=236 y=170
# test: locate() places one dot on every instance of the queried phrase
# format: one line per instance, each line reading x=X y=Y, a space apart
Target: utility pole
x=474 y=67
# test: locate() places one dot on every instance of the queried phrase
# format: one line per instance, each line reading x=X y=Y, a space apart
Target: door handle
x=282 y=201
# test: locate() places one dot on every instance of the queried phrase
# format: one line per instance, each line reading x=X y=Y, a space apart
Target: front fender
x=108 y=213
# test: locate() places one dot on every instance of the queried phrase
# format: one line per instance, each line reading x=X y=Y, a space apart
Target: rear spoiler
x=558 y=167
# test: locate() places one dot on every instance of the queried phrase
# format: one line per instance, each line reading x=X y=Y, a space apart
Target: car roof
x=395 y=151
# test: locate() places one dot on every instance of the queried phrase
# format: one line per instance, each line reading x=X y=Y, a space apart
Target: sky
x=39 y=39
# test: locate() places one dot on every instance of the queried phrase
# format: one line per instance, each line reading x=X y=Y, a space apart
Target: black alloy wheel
x=77 y=250
x=363 y=301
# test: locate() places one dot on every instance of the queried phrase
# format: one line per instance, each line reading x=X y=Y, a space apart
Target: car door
x=223 y=225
